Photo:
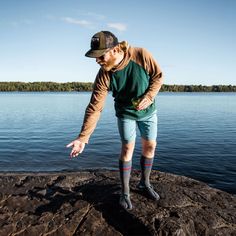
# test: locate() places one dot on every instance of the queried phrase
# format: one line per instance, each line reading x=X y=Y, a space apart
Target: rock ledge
x=86 y=203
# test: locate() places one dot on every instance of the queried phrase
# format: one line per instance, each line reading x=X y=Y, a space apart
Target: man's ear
x=115 y=49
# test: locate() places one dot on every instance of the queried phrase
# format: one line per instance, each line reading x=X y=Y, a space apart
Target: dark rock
x=86 y=203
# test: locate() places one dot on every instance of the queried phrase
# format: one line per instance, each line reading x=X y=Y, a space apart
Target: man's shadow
x=104 y=197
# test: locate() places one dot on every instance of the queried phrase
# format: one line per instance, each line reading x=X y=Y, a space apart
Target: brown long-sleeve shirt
x=137 y=75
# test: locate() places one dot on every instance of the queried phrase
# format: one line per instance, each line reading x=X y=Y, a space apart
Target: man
x=134 y=78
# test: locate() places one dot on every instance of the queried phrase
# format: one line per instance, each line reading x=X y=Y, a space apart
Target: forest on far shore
x=88 y=86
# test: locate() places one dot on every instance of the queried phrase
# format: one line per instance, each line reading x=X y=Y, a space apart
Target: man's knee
x=127 y=151
x=148 y=148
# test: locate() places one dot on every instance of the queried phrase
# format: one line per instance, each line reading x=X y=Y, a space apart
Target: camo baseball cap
x=101 y=42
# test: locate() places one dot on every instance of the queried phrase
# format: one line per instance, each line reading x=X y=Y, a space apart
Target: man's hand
x=144 y=103
x=77 y=148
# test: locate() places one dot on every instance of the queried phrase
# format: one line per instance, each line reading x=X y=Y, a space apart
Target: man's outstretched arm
x=92 y=114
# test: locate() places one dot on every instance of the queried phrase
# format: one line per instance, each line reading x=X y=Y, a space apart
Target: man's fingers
x=144 y=104
x=74 y=153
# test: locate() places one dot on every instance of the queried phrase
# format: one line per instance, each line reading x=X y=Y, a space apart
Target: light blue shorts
x=147 y=127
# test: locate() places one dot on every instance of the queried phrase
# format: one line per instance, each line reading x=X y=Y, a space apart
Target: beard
x=108 y=65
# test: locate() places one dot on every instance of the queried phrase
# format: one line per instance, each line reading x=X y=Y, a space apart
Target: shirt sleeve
x=95 y=106
x=155 y=73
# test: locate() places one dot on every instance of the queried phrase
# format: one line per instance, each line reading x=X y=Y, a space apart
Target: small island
x=86 y=203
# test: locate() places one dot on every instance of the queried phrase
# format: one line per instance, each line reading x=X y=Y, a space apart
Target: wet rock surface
x=86 y=203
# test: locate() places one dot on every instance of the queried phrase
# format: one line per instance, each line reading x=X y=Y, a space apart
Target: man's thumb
x=70 y=144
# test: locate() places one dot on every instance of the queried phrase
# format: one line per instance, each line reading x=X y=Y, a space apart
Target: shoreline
x=99 y=169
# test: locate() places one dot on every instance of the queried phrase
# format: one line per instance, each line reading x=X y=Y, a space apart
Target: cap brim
x=95 y=53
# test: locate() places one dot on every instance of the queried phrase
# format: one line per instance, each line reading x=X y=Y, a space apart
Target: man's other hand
x=77 y=147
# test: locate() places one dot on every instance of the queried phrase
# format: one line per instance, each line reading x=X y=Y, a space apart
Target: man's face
x=108 y=60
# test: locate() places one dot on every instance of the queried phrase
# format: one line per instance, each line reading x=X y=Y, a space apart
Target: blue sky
x=194 y=41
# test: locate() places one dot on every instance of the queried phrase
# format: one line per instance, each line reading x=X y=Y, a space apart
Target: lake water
x=196 y=135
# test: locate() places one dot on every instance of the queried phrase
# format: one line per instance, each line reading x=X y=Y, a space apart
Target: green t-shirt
x=129 y=83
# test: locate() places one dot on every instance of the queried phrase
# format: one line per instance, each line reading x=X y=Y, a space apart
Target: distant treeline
x=45 y=86
x=198 y=88
x=82 y=86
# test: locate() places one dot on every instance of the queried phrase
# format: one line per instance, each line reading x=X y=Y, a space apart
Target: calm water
x=196 y=135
